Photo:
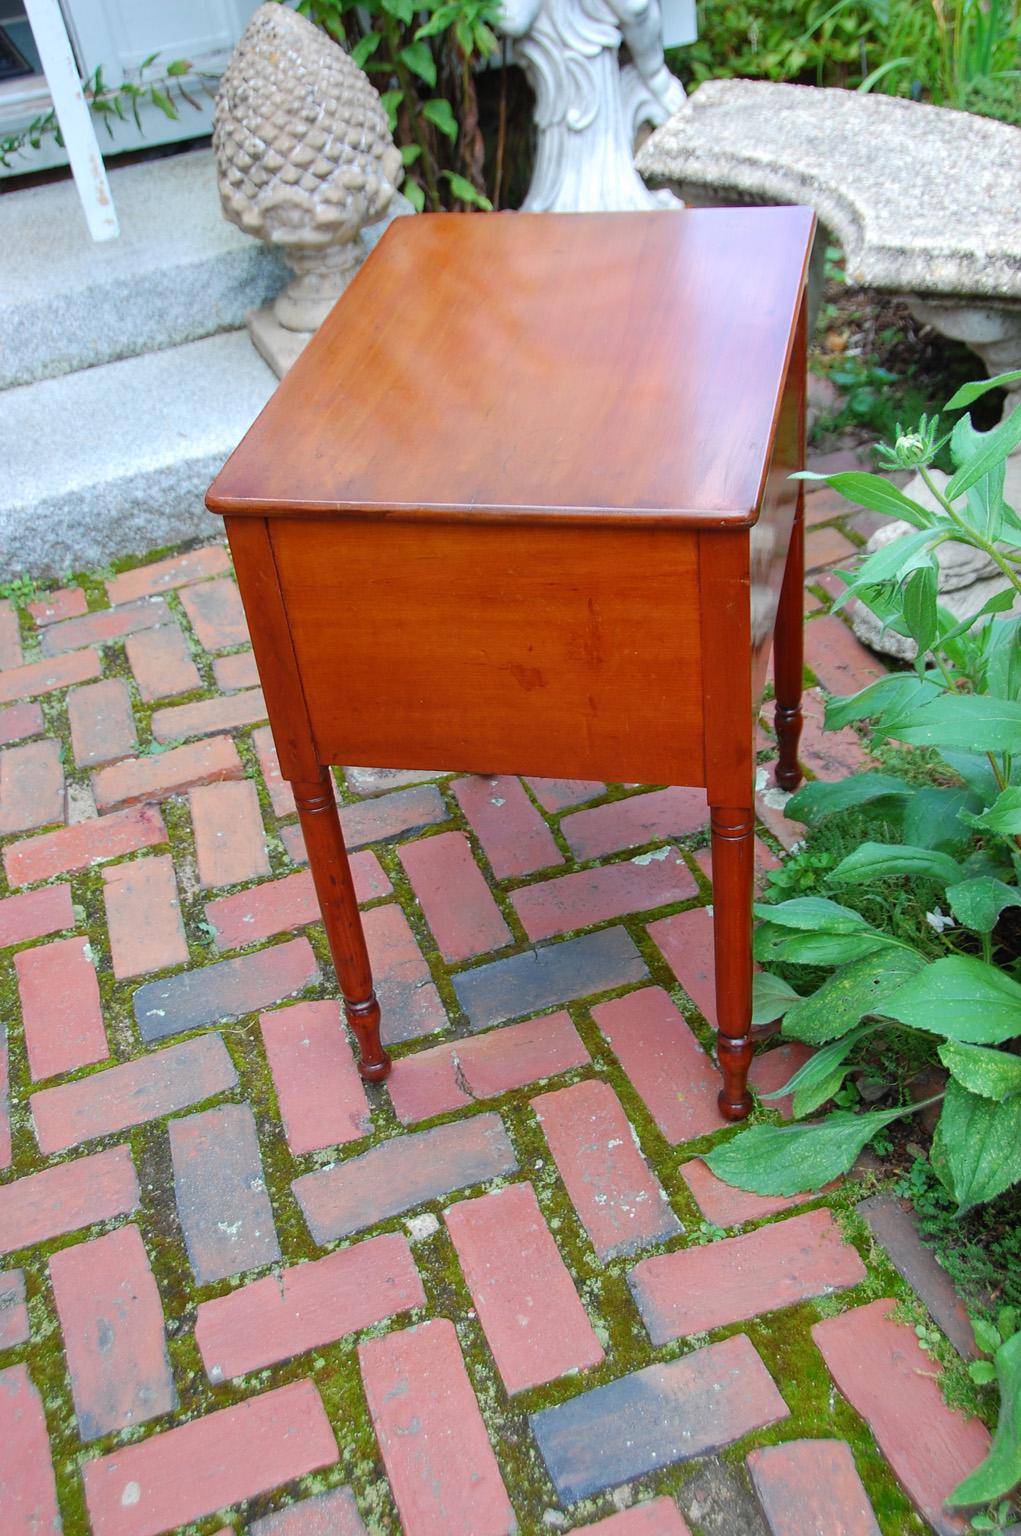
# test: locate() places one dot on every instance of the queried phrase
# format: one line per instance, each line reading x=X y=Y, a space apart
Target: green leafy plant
x=164 y=89
x=956 y=987
x=422 y=58
x=1001 y=1469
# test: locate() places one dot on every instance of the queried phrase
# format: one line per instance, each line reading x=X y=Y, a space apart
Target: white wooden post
x=73 y=114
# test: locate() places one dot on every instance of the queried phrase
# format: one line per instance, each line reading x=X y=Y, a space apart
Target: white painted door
x=118 y=36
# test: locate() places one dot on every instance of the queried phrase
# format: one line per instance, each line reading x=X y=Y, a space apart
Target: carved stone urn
x=304 y=161
x=589 y=110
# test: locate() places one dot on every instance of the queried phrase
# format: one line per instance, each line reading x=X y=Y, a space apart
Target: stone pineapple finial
x=305 y=160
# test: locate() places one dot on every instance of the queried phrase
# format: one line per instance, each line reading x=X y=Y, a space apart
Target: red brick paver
x=321 y=1098
x=60 y=1007
x=208 y=716
x=307 y=1306
x=10 y=636
x=133 y=1092
x=619 y=1201
x=105 y=625
x=659 y=1517
x=26 y=1475
x=277 y=906
x=162 y=663
x=639 y=819
x=216 y=615
x=449 y=1076
x=31 y=786
x=454 y=896
x=102 y=725
x=218 y=1459
x=811 y=1488
x=167 y=773
x=37 y=677
x=694 y=1290
x=14 y=1324
x=143 y=913
x=164 y=575
x=666 y=1064
x=32 y=914
x=886 y=1376
x=598 y=895
x=66 y=603
x=112 y=1323
x=230 y=842
x=525 y=1297
x=18 y=721
x=440 y=1463
x=66 y=1198
x=84 y=844
x=514 y=837
x=236 y=671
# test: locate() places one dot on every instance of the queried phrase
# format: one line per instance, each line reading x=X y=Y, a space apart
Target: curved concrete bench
x=925 y=201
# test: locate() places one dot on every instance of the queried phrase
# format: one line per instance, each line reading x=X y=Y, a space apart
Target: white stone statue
x=588 y=110
x=305 y=160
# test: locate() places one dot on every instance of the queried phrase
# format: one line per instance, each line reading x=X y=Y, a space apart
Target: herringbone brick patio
x=240 y=1291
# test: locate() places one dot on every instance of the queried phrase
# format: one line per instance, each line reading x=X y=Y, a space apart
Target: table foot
x=373 y=1062
x=735 y=1057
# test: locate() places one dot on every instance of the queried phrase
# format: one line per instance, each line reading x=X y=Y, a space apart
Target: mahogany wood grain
x=541 y=650
x=585 y=365
x=524 y=505
x=789 y=638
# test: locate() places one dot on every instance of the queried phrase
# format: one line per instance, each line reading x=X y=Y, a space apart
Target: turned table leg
x=789 y=657
x=331 y=874
x=733 y=832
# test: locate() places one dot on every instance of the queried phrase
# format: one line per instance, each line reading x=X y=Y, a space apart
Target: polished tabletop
x=567 y=366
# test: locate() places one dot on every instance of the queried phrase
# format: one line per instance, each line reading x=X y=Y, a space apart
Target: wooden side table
x=523 y=506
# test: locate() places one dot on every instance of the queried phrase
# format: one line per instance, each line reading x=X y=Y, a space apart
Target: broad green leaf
x=887 y=562
x=875 y=493
x=179 y=67
x=390 y=101
x=984 y=510
x=932 y=818
x=419 y=59
x=774 y=945
x=465 y=192
x=440 y=113
x=967 y=720
x=897 y=691
x=821 y=798
x=818 y=913
x=366 y=47
x=977 y=903
x=161 y=100
x=986 y=1336
x=976 y=1150
x=410 y=153
x=822 y=1074
x=439 y=21
x=771 y=997
x=858 y=988
x=992 y=1074
x=996 y=446
x=969 y=393
x=404 y=10
x=960 y=998
x=884 y=861
x=1003 y=816
x=415 y=195
x=1000 y=602
x=1001 y=1470
x=790 y=1159
x=919 y=600
x=975 y=770
x=1003 y=658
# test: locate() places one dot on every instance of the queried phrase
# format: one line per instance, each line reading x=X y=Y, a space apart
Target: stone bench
x=923 y=200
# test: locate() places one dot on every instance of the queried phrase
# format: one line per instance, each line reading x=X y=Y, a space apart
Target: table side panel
x=489 y=648
x=770 y=536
